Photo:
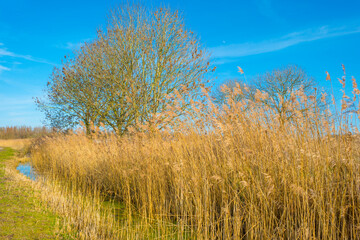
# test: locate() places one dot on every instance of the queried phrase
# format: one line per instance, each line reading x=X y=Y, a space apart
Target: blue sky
x=257 y=35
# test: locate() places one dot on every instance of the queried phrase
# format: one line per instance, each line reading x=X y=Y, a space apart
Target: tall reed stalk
x=221 y=172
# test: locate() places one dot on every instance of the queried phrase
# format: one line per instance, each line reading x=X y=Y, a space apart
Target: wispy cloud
x=6 y=53
x=291 y=39
x=18 y=110
x=73 y=45
x=3 y=68
x=20 y=102
x=220 y=61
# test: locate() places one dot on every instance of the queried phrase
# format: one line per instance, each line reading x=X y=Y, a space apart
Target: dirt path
x=21 y=215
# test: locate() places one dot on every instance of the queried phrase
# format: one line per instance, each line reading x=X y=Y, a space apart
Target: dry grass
x=17 y=144
x=229 y=172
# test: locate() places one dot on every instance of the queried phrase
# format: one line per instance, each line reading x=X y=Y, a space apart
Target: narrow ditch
x=27 y=170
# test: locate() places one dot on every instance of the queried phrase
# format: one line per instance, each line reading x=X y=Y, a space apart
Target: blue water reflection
x=27 y=170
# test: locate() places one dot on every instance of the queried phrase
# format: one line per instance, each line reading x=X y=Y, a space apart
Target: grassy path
x=21 y=216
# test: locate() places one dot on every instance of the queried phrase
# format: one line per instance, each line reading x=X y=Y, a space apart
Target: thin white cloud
x=291 y=39
x=220 y=61
x=5 y=53
x=38 y=60
x=3 y=68
x=9 y=103
x=72 y=46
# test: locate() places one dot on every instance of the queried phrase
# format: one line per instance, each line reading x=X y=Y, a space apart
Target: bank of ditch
x=22 y=216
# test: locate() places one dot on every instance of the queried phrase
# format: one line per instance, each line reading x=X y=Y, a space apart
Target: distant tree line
x=23 y=132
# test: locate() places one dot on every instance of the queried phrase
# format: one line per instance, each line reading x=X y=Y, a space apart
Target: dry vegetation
x=17 y=144
x=219 y=172
x=22 y=132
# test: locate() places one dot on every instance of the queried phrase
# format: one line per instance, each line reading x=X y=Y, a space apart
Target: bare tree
x=70 y=95
x=122 y=78
x=282 y=87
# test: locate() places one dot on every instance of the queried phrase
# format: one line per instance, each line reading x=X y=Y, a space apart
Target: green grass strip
x=21 y=216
